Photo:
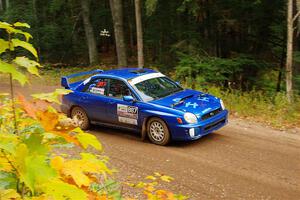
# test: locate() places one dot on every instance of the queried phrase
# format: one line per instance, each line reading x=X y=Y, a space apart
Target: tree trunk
x=298 y=20
x=89 y=32
x=139 y=34
x=117 y=15
x=289 y=52
x=281 y=68
x=7 y=4
x=1 y=5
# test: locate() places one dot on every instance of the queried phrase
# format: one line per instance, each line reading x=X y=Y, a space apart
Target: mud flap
x=144 y=130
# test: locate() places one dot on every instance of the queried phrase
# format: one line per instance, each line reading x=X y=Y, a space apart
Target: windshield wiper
x=181 y=100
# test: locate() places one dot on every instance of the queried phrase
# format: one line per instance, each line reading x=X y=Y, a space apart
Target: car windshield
x=156 y=88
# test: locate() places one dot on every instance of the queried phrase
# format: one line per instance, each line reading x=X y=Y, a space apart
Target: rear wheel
x=158 y=131
x=80 y=116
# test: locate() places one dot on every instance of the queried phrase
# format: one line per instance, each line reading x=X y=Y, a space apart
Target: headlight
x=222 y=104
x=190 y=118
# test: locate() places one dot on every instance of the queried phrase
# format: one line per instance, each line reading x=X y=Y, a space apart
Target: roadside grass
x=52 y=75
x=270 y=109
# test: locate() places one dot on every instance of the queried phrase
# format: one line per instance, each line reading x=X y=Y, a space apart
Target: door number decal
x=127 y=114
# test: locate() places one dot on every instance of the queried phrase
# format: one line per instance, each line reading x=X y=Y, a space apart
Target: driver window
x=118 y=89
x=98 y=86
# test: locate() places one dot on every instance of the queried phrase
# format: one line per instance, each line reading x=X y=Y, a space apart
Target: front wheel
x=158 y=131
x=80 y=116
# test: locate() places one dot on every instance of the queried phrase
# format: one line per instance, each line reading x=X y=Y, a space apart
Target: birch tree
x=291 y=18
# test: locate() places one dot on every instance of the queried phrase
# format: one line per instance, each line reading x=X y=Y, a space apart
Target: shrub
x=239 y=72
x=272 y=109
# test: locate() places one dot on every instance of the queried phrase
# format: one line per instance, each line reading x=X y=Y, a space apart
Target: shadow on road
x=135 y=136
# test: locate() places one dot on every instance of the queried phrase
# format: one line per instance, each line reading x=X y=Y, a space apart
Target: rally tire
x=158 y=131
x=80 y=116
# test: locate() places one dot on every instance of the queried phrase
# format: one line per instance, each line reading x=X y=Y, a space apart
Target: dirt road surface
x=243 y=160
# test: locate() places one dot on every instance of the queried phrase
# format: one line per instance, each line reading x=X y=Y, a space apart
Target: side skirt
x=115 y=126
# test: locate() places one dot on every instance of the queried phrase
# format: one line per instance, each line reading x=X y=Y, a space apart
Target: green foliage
x=10 y=65
x=200 y=70
x=269 y=108
x=7 y=180
x=297 y=56
x=150 y=6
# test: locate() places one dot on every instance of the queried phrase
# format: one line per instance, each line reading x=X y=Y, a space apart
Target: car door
x=121 y=112
x=94 y=99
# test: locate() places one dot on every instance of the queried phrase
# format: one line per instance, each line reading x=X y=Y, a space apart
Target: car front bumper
x=183 y=131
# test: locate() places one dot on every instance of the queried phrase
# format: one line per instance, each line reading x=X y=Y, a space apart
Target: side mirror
x=128 y=98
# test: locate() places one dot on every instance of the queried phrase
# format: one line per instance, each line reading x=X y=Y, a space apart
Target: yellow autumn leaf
x=87 y=139
x=163 y=194
x=30 y=65
x=4 y=94
x=57 y=163
x=26 y=34
x=149 y=188
x=157 y=174
x=75 y=170
x=4 y=164
x=49 y=120
x=150 y=178
x=9 y=194
x=10 y=69
x=78 y=169
x=4 y=45
x=52 y=97
x=20 y=24
x=41 y=197
x=25 y=45
x=59 y=190
x=166 y=178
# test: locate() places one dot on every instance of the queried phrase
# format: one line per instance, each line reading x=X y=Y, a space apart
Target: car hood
x=199 y=103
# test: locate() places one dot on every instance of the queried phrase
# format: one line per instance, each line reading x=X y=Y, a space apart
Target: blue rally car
x=143 y=100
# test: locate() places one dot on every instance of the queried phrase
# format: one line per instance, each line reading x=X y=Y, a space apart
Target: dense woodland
x=238 y=44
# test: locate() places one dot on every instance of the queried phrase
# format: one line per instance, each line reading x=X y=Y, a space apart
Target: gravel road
x=240 y=161
x=243 y=160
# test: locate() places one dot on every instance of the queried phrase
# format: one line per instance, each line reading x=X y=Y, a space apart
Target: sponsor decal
x=203 y=99
x=127 y=114
x=145 y=77
x=127 y=120
x=96 y=90
x=101 y=84
x=188 y=104
x=176 y=99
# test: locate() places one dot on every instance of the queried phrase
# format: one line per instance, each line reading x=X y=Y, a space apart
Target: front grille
x=212 y=125
x=211 y=114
